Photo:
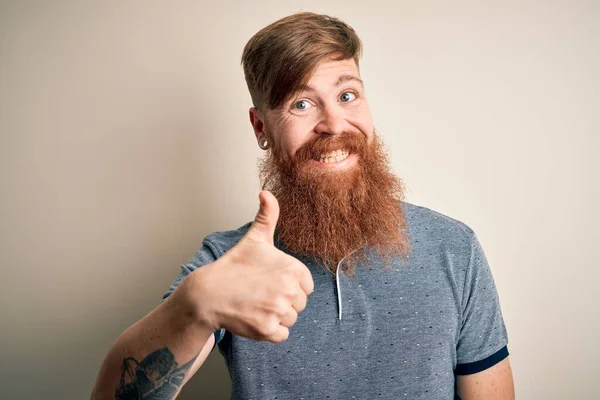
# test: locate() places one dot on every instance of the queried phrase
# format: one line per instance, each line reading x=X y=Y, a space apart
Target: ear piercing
x=263 y=143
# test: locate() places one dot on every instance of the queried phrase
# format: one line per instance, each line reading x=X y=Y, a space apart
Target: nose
x=331 y=121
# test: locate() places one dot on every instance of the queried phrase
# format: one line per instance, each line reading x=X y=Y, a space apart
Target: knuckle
x=302 y=300
x=293 y=317
x=289 y=286
x=280 y=306
x=268 y=327
x=282 y=336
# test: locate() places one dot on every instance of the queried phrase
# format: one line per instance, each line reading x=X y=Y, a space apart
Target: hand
x=254 y=290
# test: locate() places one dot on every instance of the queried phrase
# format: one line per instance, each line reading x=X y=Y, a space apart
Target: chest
x=397 y=335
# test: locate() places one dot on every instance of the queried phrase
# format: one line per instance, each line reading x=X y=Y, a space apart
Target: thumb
x=264 y=224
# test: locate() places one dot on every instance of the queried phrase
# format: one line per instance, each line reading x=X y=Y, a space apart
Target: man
x=402 y=302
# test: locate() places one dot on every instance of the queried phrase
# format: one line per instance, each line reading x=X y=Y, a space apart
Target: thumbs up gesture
x=254 y=290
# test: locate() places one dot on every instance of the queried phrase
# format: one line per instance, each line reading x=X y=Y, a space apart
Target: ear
x=258 y=122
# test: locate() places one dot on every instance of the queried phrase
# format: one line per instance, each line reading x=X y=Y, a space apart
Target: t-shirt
x=398 y=332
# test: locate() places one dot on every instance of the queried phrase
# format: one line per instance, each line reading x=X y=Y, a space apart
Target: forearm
x=153 y=356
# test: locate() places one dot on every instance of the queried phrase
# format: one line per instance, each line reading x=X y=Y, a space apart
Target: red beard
x=330 y=215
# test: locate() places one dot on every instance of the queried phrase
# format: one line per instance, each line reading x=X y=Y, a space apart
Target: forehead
x=328 y=72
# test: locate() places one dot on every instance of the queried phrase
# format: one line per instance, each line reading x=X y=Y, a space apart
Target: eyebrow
x=341 y=79
x=347 y=78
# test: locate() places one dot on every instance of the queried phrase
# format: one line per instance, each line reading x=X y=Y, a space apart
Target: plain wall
x=124 y=140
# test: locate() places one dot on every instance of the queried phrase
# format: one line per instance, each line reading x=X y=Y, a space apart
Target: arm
x=494 y=383
x=157 y=355
x=266 y=289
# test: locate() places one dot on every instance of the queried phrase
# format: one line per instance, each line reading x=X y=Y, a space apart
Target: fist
x=255 y=290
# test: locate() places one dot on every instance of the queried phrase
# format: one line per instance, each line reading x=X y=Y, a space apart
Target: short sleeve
x=205 y=255
x=483 y=338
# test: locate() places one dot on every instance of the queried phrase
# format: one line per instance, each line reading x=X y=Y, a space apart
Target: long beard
x=330 y=215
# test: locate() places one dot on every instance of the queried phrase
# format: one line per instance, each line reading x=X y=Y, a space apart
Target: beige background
x=124 y=140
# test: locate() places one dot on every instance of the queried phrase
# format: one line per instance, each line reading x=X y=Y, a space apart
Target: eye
x=347 y=97
x=301 y=105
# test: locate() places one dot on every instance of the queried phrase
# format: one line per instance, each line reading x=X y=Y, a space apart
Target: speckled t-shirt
x=405 y=331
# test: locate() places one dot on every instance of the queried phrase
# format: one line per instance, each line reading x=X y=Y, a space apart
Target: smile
x=334 y=156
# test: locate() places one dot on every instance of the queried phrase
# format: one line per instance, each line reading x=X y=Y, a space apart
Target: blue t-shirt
x=402 y=332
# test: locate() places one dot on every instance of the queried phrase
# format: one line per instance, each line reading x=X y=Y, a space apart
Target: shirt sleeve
x=483 y=338
x=205 y=255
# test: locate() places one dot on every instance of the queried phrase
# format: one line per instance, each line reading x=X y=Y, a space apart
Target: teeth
x=334 y=156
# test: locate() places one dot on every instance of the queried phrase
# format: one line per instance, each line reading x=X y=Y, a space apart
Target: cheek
x=293 y=134
x=361 y=118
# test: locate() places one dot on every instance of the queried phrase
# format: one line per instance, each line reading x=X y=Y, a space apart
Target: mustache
x=313 y=149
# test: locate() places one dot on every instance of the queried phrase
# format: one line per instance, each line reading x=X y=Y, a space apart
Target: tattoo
x=156 y=377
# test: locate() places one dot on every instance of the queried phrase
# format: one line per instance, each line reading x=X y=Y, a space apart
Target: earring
x=263 y=143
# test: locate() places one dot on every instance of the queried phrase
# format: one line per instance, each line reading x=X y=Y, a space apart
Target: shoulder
x=437 y=235
x=420 y=218
x=221 y=241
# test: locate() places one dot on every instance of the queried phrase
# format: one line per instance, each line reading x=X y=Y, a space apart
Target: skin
x=494 y=383
x=333 y=102
x=267 y=288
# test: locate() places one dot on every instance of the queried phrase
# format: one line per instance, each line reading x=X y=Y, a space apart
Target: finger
x=299 y=301
x=306 y=280
x=280 y=335
x=263 y=227
x=289 y=318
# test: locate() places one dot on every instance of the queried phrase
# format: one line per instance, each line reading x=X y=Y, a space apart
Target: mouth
x=334 y=156
x=337 y=160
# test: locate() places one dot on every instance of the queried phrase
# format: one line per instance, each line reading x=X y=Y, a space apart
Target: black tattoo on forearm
x=156 y=377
